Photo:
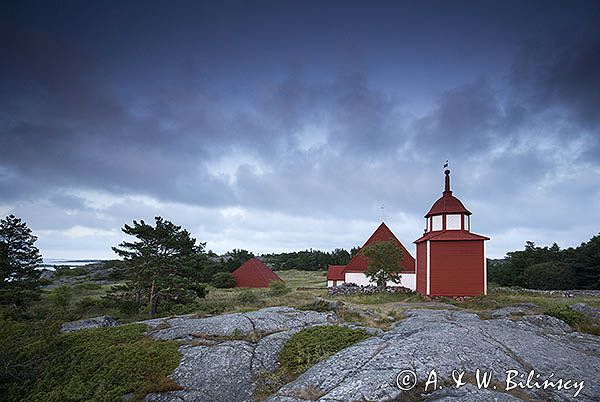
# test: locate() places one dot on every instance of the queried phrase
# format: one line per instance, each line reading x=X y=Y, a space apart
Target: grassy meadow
x=304 y=287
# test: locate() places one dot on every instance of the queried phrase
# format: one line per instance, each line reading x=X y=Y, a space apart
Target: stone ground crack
x=251 y=322
x=380 y=348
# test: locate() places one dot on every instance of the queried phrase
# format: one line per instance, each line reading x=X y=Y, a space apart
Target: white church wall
x=360 y=279
x=409 y=281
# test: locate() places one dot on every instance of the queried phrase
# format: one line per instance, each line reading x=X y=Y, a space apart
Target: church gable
x=382 y=233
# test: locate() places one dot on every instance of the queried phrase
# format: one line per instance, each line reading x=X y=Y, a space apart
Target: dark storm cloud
x=64 y=127
x=563 y=71
x=464 y=121
x=201 y=119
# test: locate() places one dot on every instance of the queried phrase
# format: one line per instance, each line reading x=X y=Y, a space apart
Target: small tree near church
x=384 y=262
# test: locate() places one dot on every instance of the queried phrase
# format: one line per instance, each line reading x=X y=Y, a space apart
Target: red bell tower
x=450 y=259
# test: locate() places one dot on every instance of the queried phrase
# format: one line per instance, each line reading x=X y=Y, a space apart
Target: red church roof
x=360 y=264
x=254 y=274
x=447 y=203
x=335 y=272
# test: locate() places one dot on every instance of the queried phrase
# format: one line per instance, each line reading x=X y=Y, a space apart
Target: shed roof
x=254 y=274
x=336 y=272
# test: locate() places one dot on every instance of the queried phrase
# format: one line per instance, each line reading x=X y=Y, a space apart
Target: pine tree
x=161 y=263
x=19 y=258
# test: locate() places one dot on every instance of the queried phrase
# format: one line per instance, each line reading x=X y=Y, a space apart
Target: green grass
x=294 y=278
x=381 y=298
x=90 y=365
x=304 y=287
x=501 y=298
x=220 y=301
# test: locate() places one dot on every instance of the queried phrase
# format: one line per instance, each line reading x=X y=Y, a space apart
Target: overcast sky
x=276 y=126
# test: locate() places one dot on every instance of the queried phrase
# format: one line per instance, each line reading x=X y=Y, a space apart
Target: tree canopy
x=550 y=267
x=19 y=258
x=384 y=262
x=163 y=264
x=307 y=260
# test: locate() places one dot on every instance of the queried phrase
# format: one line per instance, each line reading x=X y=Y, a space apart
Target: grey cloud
x=464 y=121
x=564 y=72
x=67 y=128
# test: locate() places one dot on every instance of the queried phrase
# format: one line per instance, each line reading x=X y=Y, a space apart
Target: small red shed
x=450 y=259
x=254 y=274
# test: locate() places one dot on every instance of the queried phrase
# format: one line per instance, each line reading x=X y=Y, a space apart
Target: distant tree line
x=308 y=260
x=551 y=267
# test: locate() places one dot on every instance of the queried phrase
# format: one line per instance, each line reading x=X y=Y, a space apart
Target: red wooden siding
x=422 y=268
x=456 y=268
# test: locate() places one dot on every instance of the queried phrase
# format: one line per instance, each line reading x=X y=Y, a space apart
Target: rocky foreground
x=224 y=355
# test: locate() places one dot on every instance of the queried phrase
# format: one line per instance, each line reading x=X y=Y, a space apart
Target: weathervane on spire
x=447 y=183
x=382 y=213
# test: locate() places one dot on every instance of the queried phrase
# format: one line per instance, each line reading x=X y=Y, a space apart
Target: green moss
x=93 y=365
x=310 y=345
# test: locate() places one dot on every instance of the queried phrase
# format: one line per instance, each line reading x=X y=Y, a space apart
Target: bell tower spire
x=447 y=184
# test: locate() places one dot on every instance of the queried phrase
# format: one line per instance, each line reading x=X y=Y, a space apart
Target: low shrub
x=88 y=286
x=320 y=305
x=199 y=290
x=179 y=309
x=571 y=317
x=310 y=345
x=278 y=288
x=247 y=296
x=62 y=271
x=223 y=280
x=61 y=296
x=213 y=307
x=100 y=364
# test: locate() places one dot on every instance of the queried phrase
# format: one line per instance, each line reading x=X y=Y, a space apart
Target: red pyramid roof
x=254 y=274
x=360 y=264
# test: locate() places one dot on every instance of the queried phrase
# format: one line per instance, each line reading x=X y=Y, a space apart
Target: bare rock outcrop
x=222 y=355
x=588 y=311
x=88 y=323
x=445 y=341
